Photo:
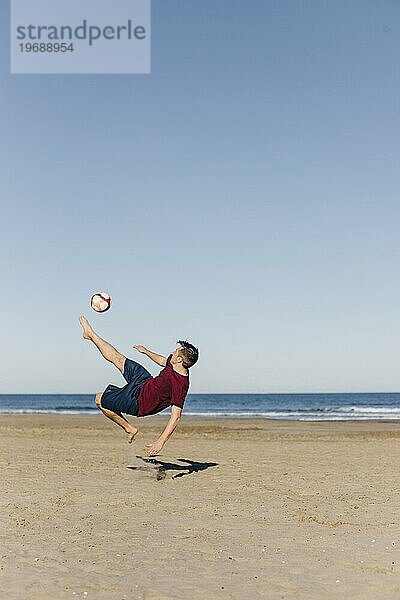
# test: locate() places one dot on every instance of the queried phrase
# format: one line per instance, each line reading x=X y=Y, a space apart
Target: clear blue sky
x=245 y=195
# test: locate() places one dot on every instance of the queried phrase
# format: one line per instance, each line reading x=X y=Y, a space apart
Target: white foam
x=304 y=416
x=44 y=411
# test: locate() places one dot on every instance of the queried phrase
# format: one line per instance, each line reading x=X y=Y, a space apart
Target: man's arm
x=156 y=446
x=158 y=358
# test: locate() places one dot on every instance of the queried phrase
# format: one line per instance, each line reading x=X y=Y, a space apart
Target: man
x=143 y=394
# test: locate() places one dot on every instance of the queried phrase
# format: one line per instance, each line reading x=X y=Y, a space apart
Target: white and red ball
x=100 y=302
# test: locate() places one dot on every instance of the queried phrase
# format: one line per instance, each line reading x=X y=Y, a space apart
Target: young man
x=143 y=394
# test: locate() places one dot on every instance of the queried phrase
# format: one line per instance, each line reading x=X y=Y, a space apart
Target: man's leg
x=117 y=418
x=118 y=359
x=108 y=351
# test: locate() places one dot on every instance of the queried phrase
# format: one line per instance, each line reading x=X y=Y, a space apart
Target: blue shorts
x=125 y=399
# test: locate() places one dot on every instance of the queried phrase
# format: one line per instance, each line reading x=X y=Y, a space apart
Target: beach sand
x=237 y=509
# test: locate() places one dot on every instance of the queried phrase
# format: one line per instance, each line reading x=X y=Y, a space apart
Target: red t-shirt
x=167 y=388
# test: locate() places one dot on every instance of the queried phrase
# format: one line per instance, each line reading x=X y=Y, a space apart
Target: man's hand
x=154 y=448
x=140 y=348
x=157 y=358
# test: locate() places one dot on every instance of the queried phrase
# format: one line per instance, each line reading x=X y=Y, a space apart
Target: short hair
x=190 y=353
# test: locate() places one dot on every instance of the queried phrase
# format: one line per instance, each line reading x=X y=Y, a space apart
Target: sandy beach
x=231 y=509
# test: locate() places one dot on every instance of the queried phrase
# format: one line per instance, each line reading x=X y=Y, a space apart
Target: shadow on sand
x=161 y=467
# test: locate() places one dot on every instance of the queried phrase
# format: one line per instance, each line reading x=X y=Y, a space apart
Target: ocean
x=302 y=407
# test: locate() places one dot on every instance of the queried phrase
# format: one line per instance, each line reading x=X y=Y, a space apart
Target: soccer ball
x=100 y=302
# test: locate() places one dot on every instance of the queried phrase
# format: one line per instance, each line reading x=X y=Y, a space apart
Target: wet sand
x=231 y=509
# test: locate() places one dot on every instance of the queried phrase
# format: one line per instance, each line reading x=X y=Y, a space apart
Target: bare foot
x=87 y=329
x=132 y=431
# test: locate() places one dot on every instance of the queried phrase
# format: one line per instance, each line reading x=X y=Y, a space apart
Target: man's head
x=186 y=354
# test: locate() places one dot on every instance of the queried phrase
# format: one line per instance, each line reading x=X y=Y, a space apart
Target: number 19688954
x=49 y=47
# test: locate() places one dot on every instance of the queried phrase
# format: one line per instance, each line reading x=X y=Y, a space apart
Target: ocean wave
x=305 y=415
x=369 y=409
x=45 y=411
x=340 y=413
